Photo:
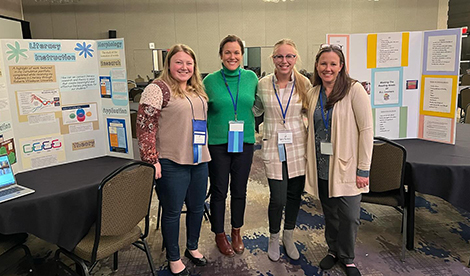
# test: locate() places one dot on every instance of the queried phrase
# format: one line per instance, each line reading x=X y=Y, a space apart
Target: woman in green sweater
x=231 y=130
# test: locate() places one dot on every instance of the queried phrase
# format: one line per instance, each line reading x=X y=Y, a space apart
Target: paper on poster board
x=79 y=128
x=437 y=129
x=119 y=86
x=38 y=101
x=8 y=147
x=110 y=54
x=389 y=50
x=437 y=94
x=119 y=74
x=105 y=87
x=76 y=114
x=114 y=111
x=42 y=151
x=20 y=74
x=43 y=118
x=387 y=122
x=441 y=53
x=117 y=135
x=387 y=87
x=80 y=145
x=5 y=126
x=78 y=82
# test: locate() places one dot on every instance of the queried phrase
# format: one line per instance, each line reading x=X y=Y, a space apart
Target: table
x=438 y=169
x=64 y=206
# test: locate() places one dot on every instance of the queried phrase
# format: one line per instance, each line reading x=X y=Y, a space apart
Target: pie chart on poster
x=80 y=115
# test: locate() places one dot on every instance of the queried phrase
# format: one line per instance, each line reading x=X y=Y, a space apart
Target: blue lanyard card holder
x=199 y=139
x=199 y=132
x=235 y=136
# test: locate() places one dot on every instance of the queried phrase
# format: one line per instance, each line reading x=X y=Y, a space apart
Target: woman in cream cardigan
x=339 y=152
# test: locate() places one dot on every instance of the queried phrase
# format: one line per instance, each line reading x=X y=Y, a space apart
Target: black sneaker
x=328 y=262
x=352 y=271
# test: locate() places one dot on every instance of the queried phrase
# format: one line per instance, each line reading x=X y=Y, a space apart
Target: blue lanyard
x=284 y=113
x=234 y=102
x=325 y=123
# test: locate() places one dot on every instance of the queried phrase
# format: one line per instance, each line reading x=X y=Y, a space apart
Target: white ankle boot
x=288 y=241
x=273 y=247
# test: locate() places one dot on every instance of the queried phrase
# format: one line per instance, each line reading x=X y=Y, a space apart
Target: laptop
x=8 y=187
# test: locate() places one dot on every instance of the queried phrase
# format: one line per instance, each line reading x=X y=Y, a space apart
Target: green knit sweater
x=220 y=107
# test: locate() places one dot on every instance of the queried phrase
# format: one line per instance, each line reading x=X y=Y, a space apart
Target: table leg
x=410 y=231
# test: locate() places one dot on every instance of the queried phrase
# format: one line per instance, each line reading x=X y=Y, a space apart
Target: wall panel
x=203 y=23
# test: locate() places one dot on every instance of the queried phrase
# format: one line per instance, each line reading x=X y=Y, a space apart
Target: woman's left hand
x=362 y=182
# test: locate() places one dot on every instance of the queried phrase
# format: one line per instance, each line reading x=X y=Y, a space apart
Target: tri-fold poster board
x=412 y=80
x=63 y=101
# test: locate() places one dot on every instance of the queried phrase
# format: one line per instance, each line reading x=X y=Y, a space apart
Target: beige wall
x=203 y=23
x=11 y=8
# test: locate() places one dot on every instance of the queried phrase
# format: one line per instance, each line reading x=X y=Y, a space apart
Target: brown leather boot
x=237 y=241
x=224 y=245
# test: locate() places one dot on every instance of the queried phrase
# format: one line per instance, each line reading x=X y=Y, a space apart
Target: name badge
x=199 y=132
x=326 y=148
x=284 y=137
x=235 y=136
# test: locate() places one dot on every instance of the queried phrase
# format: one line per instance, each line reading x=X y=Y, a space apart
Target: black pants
x=286 y=192
x=225 y=165
x=342 y=219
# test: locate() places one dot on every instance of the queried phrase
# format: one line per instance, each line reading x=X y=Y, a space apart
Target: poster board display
x=56 y=97
x=412 y=80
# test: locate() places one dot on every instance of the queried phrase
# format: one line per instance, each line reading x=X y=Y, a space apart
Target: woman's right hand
x=158 y=170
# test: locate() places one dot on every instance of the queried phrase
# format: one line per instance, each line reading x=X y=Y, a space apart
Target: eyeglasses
x=332 y=46
x=279 y=58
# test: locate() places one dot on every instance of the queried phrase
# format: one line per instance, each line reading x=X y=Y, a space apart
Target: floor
x=441 y=243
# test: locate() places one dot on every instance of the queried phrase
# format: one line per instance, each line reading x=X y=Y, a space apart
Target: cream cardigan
x=352 y=136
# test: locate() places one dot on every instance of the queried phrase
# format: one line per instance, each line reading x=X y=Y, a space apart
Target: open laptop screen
x=6 y=173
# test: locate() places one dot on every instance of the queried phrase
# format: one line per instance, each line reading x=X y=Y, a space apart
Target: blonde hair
x=301 y=83
x=194 y=84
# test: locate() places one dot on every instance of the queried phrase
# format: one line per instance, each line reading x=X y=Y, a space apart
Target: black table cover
x=63 y=208
x=441 y=170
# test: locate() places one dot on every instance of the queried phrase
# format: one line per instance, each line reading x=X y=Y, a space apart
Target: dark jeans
x=181 y=184
x=286 y=192
x=342 y=216
x=223 y=165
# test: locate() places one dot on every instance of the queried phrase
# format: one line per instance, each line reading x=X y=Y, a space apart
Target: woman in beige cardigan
x=282 y=98
x=339 y=152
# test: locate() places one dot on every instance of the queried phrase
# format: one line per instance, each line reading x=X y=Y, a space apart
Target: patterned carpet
x=441 y=243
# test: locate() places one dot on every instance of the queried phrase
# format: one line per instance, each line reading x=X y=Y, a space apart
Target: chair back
x=125 y=196
x=135 y=94
x=467 y=114
x=131 y=84
x=387 y=170
x=464 y=97
x=465 y=80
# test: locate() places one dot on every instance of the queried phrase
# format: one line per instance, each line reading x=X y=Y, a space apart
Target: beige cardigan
x=352 y=136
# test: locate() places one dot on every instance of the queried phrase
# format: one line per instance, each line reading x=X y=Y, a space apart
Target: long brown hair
x=301 y=83
x=343 y=81
x=194 y=84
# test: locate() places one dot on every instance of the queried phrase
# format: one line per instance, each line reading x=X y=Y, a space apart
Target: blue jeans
x=181 y=184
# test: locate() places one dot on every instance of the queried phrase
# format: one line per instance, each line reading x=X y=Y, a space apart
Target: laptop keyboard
x=10 y=191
